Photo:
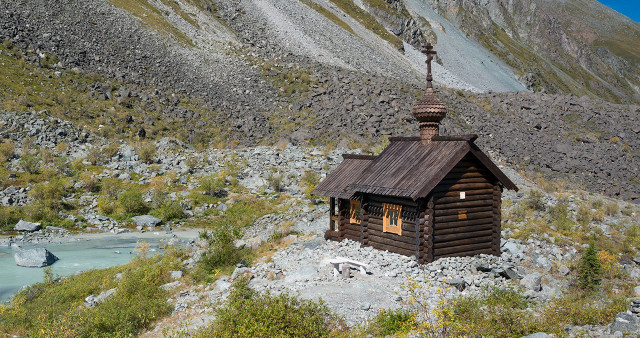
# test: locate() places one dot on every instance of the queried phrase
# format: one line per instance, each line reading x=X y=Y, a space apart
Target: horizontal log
x=468 y=222
x=462 y=187
x=466 y=253
x=410 y=239
x=473 y=215
x=353 y=233
x=406 y=226
x=465 y=203
x=391 y=248
x=392 y=242
x=447 y=181
x=456 y=211
x=461 y=248
x=470 y=192
x=474 y=240
x=465 y=226
x=462 y=235
x=466 y=174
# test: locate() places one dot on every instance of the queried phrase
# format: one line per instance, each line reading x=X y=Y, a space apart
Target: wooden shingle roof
x=410 y=168
x=337 y=182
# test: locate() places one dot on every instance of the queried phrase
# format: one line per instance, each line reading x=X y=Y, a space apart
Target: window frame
x=355 y=215
x=388 y=210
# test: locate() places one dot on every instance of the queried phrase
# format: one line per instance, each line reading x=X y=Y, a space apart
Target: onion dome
x=429 y=111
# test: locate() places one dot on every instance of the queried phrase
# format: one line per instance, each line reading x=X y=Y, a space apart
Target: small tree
x=589 y=269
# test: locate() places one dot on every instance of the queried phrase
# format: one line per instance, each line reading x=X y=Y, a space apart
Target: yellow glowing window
x=354 y=212
x=392 y=218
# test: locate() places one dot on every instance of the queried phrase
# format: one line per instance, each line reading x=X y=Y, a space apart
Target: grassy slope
x=329 y=15
x=65 y=94
x=367 y=20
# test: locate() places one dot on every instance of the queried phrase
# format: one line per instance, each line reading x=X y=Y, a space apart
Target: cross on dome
x=428 y=50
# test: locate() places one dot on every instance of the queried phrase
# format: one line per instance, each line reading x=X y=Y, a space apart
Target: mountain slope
x=569 y=46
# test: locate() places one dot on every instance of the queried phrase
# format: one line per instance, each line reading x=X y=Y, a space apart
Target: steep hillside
x=572 y=46
x=248 y=72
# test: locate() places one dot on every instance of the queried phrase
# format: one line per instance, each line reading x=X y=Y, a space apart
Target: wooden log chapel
x=430 y=196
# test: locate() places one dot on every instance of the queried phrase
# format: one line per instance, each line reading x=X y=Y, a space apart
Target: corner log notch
x=429 y=197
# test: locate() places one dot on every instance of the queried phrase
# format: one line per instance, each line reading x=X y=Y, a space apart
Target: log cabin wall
x=469 y=224
x=347 y=230
x=408 y=243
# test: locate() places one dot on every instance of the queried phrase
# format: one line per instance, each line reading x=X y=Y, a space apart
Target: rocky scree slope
x=263 y=95
x=573 y=46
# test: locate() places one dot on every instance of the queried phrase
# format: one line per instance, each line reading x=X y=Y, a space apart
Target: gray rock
x=483 y=267
x=169 y=286
x=146 y=220
x=457 y=283
x=564 y=270
x=625 y=323
x=27 y=226
x=365 y=306
x=175 y=274
x=509 y=273
x=243 y=272
x=512 y=248
x=34 y=258
x=94 y=300
x=636 y=291
x=532 y=282
x=539 y=335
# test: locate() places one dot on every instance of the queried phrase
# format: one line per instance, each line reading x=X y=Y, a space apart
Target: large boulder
x=532 y=282
x=34 y=258
x=27 y=226
x=94 y=300
x=146 y=220
x=625 y=323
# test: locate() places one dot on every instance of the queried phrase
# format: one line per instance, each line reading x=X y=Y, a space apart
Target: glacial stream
x=75 y=256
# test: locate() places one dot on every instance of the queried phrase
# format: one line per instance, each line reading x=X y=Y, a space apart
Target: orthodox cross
x=428 y=50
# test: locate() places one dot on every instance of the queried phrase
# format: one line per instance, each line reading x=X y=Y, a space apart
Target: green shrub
x=584 y=215
x=213 y=186
x=310 y=179
x=7 y=151
x=248 y=313
x=222 y=252
x=49 y=194
x=94 y=156
x=9 y=216
x=108 y=206
x=111 y=187
x=55 y=309
x=535 y=200
x=47 y=156
x=583 y=308
x=165 y=208
x=89 y=181
x=275 y=181
x=496 y=312
x=559 y=215
x=589 y=269
x=5 y=181
x=110 y=150
x=146 y=152
x=390 y=322
x=132 y=203
x=29 y=164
